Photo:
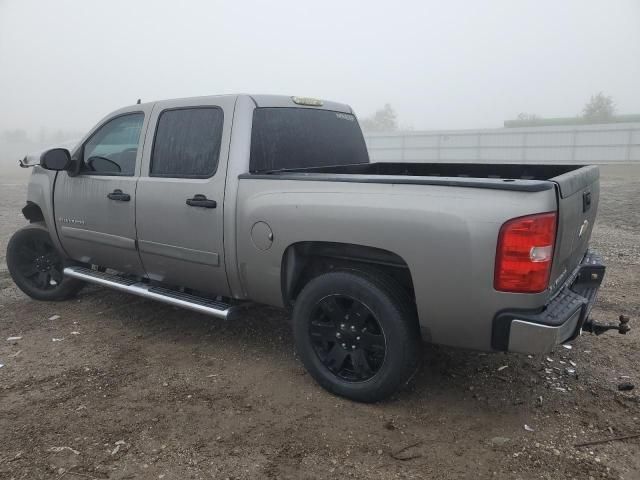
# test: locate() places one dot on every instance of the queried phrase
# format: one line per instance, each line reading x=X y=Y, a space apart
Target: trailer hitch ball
x=624 y=324
x=599 y=328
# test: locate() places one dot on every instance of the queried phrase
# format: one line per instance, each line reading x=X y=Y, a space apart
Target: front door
x=95 y=208
x=181 y=193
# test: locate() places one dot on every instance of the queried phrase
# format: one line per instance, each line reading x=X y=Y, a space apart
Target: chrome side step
x=165 y=295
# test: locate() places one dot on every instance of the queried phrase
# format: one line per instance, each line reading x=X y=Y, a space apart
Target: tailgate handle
x=586 y=201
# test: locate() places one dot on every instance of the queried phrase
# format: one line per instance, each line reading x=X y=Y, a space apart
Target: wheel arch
x=33 y=212
x=303 y=261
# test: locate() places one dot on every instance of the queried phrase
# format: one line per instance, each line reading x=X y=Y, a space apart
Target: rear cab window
x=187 y=143
x=293 y=138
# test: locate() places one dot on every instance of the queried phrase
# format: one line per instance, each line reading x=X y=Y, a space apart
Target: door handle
x=119 y=196
x=200 y=200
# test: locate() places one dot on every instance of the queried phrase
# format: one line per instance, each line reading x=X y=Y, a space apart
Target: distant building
x=559 y=142
x=555 y=122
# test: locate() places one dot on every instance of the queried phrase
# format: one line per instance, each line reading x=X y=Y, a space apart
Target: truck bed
x=573 y=190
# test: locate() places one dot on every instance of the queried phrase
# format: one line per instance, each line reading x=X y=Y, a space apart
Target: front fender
x=40 y=198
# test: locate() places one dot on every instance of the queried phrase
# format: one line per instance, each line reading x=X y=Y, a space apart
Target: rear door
x=95 y=209
x=180 y=195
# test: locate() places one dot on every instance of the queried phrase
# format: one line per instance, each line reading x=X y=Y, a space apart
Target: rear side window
x=187 y=143
x=289 y=138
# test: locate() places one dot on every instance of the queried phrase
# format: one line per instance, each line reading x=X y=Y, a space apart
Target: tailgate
x=578 y=193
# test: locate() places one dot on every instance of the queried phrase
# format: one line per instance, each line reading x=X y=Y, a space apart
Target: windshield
x=292 y=138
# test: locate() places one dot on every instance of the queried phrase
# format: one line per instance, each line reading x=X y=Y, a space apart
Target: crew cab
x=209 y=203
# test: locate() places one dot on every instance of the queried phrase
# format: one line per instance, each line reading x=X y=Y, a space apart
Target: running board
x=165 y=295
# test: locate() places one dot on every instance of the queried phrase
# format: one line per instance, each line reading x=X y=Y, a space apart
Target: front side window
x=187 y=143
x=112 y=150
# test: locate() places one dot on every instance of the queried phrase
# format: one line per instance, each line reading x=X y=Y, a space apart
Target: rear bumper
x=560 y=321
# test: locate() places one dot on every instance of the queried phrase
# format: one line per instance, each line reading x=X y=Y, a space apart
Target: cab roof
x=280 y=101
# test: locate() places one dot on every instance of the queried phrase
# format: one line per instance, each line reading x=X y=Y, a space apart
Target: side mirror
x=56 y=159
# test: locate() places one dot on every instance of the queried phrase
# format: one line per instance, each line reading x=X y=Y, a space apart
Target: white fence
x=607 y=143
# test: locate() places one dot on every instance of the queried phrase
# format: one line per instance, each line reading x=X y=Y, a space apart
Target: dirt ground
x=114 y=386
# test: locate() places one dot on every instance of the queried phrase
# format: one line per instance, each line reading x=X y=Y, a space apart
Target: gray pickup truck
x=209 y=203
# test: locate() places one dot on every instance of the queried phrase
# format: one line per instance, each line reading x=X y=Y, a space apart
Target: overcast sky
x=455 y=64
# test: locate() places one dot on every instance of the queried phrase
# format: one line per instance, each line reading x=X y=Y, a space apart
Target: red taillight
x=524 y=254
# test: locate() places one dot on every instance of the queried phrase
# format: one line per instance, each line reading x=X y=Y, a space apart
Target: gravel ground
x=133 y=389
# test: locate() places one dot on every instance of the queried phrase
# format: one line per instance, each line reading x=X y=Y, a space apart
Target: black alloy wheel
x=357 y=333
x=37 y=267
x=347 y=338
x=38 y=263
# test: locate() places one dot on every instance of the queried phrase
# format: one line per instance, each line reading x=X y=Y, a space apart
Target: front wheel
x=356 y=334
x=36 y=267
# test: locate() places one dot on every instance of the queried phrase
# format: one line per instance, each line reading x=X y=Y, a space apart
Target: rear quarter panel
x=446 y=235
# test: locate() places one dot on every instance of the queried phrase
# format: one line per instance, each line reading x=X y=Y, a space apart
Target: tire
x=357 y=334
x=36 y=266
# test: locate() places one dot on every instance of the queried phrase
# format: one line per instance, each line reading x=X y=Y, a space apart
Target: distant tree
x=42 y=135
x=524 y=116
x=383 y=120
x=599 y=109
x=60 y=136
x=15 y=136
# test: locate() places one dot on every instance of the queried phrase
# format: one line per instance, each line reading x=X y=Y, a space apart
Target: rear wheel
x=356 y=334
x=36 y=267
